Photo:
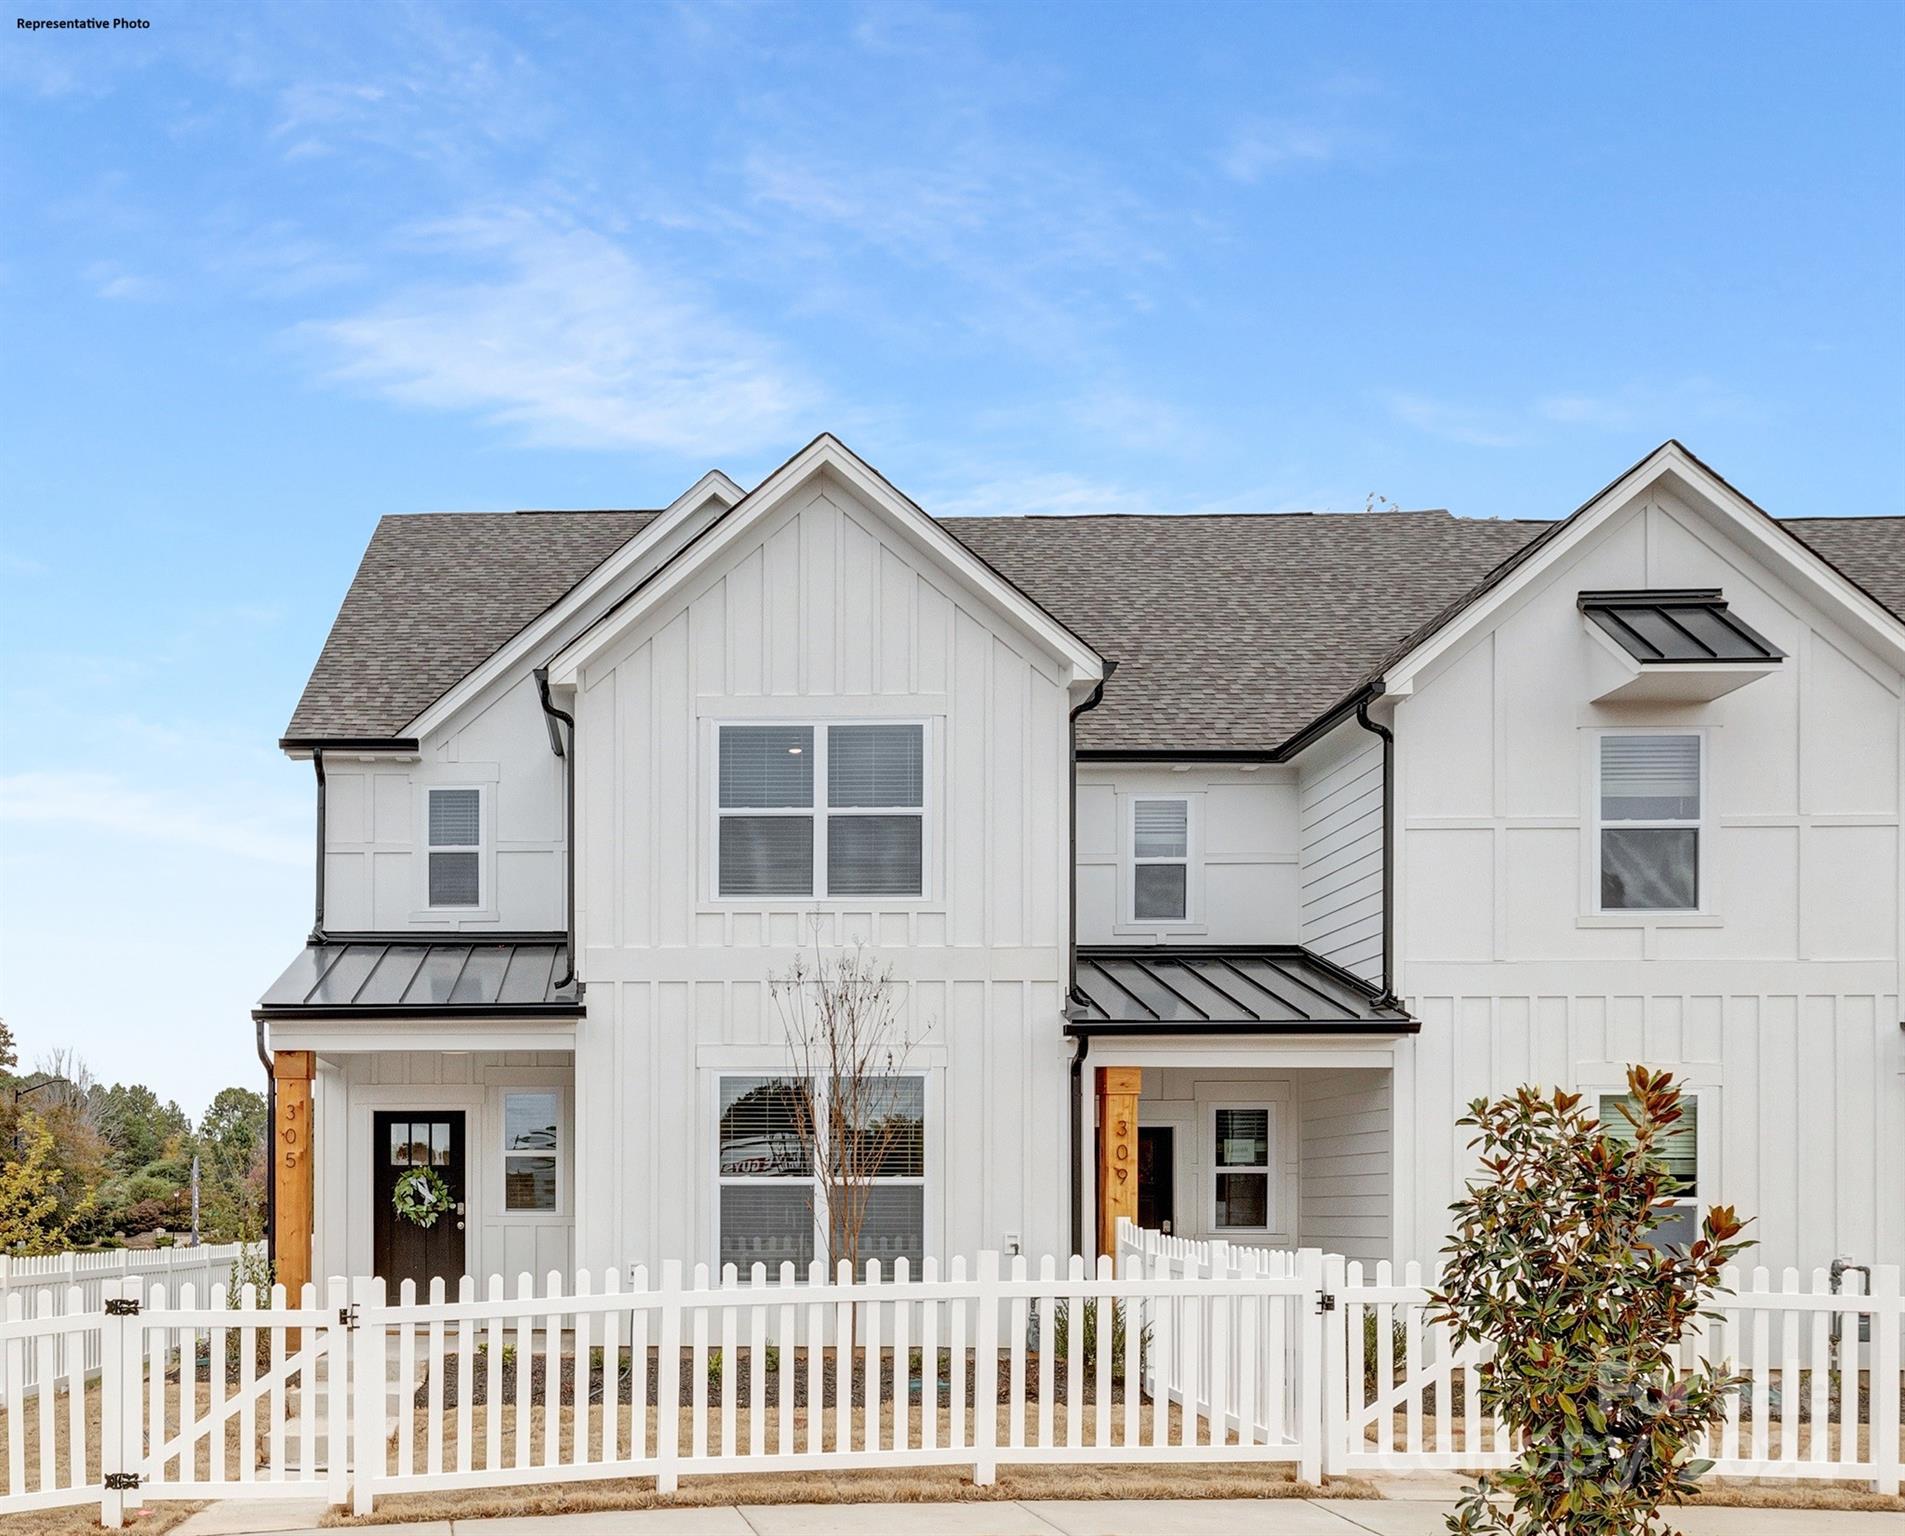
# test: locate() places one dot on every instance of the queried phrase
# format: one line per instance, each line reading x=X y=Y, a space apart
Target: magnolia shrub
x=1553 y=1263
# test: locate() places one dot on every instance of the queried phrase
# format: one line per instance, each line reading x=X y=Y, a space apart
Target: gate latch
x=1325 y=1302
x=122 y=1306
x=347 y=1317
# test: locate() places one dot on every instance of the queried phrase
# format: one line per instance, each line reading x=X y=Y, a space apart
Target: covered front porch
x=448 y=1058
x=1243 y=1094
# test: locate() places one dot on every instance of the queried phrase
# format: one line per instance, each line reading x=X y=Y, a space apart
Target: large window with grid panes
x=772 y=1209
x=820 y=811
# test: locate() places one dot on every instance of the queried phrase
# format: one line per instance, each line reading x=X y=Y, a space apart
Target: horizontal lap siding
x=1347 y=1146
x=1341 y=856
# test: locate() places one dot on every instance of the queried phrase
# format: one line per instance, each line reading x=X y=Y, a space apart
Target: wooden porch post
x=1117 y=1151
x=294 y=1144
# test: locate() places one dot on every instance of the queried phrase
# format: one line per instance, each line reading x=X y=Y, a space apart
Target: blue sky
x=270 y=271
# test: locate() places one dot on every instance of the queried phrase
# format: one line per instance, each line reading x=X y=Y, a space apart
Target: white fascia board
x=827 y=452
x=334 y=1036
x=1783 y=550
x=1755 y=528
x=678 y=522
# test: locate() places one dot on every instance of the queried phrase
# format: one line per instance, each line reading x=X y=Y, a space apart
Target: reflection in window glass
x=531 y=1138
x=1241 y=1155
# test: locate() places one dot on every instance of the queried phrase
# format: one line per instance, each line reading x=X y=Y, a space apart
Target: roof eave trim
x=828 y=452
x=308 y=744
x=448 y=1013
x=518 y=649
x=1402 y=1025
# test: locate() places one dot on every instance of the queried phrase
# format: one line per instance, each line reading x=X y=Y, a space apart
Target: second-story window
x=1650 y=811
x=1160 y=859
x=456 y=847
x=820 y=811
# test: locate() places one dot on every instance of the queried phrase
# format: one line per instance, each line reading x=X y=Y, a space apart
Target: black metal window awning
x=425 y=976
x=1223 y=990
x=1677 y=627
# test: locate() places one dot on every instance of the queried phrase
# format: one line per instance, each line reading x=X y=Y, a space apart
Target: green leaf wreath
x=421 y=1197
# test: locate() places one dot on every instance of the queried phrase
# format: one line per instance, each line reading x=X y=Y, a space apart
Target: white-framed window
x=822 y=811
x=1650 y=802
x=1241 y=1189
x=454 y=832
x=773 y=1209
x=1678 y=1148
x=532 y=1149
x=1160 y=858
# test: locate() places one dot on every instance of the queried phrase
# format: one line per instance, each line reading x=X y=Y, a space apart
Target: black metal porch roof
x=424 y=975
x=1224 y=990
x=1676 y=626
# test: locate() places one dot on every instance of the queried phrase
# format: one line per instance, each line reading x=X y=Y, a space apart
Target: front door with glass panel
x=1157 y=1177
x=403 y=1246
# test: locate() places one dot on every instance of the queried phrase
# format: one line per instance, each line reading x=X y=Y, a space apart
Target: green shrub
x=1552 y=1263
x=1120 y=1315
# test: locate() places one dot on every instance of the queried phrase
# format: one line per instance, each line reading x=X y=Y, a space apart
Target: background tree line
x=86 y=1165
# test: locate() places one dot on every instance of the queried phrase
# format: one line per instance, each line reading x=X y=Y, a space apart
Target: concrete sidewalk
x=1040 y=1517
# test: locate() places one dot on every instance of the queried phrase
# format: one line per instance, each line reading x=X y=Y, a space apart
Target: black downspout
x=317 y=924
x=271 y=1150
x=1081 y=1045
x=1073 y=1001
x=1374 y=692
x=554 y=714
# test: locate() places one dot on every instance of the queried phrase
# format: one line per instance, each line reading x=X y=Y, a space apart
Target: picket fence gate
x=61 y=1276
x=1170 y=1352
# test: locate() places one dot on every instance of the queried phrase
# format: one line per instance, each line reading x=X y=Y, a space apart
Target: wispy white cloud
x=1659 y=406
x=109 y=802
x=1457 y=423
x=1260 y=148
x=1040 y=495
x=112 y=281
x=570 y=340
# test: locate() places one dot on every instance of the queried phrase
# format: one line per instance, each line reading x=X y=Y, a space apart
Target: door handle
x=459 y=1226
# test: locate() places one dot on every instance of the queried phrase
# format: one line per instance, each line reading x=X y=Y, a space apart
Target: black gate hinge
x=347 y=1317
x=122 y=1306
x=122 y=1481
x=1325 y=1302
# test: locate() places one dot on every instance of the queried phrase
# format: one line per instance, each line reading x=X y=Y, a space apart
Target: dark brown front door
x=1156 y=1177
x=402 y=1140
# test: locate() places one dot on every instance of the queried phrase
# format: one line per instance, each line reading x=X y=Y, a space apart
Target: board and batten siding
x=1242 y=879
x=824 y=610
x=1777 y=1003
x=1339 y=790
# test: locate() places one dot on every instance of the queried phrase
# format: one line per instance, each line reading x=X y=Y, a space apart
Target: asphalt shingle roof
x=1231 y=633
x=436 y=593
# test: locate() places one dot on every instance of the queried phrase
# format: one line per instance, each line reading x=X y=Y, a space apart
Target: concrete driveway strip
x=979 y=1519
x=1201 y=1517
x=708 y=1520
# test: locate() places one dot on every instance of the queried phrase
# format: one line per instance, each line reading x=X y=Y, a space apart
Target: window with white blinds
x=820 y=811
x=1679 y=1149
x=455 y=852
x=773 y=1209
x=1160 y=859
x=1651 y=804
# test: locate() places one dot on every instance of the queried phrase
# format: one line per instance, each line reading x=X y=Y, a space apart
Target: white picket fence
x=1809 y=1410
x=1174 y=1352
x=53 y=1278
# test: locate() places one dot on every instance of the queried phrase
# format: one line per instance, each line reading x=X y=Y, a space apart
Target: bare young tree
x=848 y=1047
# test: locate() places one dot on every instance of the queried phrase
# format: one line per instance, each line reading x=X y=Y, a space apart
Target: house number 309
x=1122 y=1153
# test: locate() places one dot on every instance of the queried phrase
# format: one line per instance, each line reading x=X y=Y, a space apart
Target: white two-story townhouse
x=1219 y=862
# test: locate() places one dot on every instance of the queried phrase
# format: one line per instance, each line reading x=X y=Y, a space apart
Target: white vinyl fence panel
x=60 y=1277
x=1177 y=1352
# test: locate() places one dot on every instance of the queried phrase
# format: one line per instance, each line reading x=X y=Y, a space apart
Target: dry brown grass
x=83 y=1520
